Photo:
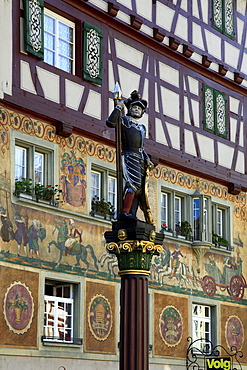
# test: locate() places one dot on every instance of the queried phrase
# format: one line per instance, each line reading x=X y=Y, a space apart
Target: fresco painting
x=234 y=332
x=34 y=237
x=18 y=307
x=73 y=179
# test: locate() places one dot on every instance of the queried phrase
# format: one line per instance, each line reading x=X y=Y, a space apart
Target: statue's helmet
x=135 y=99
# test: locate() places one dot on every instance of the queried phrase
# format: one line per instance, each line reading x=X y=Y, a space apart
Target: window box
x=23 y=188
x=183 y=230
x=102 y=209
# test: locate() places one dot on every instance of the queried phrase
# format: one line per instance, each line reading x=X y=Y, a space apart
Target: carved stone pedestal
x=134 y=243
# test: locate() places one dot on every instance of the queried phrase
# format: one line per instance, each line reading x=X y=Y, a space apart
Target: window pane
x=112 y=187
x=177 y=210
x=20 y=163
x=59 y=42
x=219 y=222
x=164 y=209
x=39 y=168
x=201 y=328
x=65 y=64
x=196 y=218
x=65 y=49
x=95 y=184
x=65 y=32
x=49 y=24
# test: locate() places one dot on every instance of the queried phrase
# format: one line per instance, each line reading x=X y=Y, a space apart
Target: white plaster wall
x=93 y=105
x=194 y=85
x=101 y=4
x=214 y=44
x=225 y=155
x=182 y=28
x=197 y=36
x=184 y=5
x=50 y=84
x=73 y=94
x=6 y=48
x=129 y=54
x=174 y=133
x=126 y=3
x=241 y=6
x=26 y=78
x=231 y=55
x=233 y=128
x=244 y=64
x=129 y=80
x=169 y=74
x=241 y=134
x=234 y=103
x=144 y=8
x=170 y=102
x=206 y=146
x=195 y=111
x=240 y=167
x=189 y=143
x=111 y=80
x=159 y=132
x=240 y=27
x=164 y=16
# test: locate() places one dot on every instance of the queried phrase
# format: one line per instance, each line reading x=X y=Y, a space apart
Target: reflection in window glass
x=164 y=209
x=95 y=184
x=39 y=168
x=20 y=163
x=196 y=218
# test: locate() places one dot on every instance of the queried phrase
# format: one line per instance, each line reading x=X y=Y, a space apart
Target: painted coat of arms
x=18 y=307
x=171 y=326
x=73 y=180
x=100 y=317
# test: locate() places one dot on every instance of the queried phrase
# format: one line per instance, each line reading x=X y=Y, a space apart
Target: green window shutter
x=92 y=54
x=220 y=114
x=34 y=20
x=217 y=13
x=208 y=100
x=228 y=18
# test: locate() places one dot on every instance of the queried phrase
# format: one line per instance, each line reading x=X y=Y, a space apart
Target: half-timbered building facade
x=59 y=63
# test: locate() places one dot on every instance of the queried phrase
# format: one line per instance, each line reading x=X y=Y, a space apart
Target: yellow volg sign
x=219 y=363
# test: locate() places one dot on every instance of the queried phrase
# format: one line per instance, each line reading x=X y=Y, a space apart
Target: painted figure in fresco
x=35 y=232
x=20 y=235
x=79 y=251
x=74 y=239
x=176 y=259
x=135 y=161
x=7 y=232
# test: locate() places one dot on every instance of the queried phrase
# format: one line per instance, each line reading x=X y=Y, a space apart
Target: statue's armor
x=133 y=155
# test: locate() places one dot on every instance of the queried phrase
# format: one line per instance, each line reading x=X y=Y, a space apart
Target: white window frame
x=60 y=315
x=226 y=214
x=167 y=213
x=209 y=214
x=106 y=171
x=214 y=317
x=201 y=326
x=59 y=19
x=32 y=144
x=204 y=232
x=164 y=208
x=112 y=194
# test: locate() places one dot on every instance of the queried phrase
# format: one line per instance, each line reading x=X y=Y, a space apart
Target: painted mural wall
x=64 y=238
